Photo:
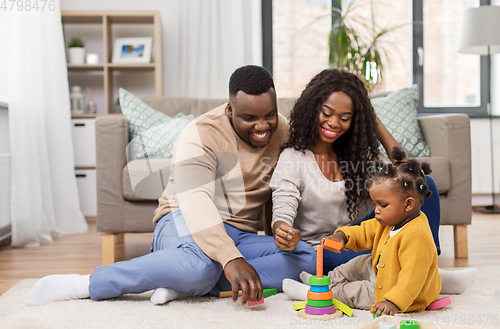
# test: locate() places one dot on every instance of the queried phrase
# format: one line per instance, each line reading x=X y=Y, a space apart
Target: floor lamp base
x=489 y=210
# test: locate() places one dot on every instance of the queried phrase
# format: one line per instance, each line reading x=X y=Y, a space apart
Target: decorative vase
x=77 y=55
x=77 y=100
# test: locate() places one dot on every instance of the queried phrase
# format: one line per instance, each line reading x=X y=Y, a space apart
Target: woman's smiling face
x=335 y=117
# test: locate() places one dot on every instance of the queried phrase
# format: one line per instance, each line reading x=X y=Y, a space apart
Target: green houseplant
x=76 y=51
x=355 y=45
x=76 y=42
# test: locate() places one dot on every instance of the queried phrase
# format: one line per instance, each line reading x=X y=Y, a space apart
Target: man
x=208 y=216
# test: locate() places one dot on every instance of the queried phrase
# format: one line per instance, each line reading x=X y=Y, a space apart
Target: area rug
x=478 y=307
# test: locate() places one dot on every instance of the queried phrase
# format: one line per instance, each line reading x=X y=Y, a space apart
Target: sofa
x=127 y=193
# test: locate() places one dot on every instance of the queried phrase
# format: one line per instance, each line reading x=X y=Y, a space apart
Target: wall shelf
x=107 y=22
x=86 y=67
x=99 y=29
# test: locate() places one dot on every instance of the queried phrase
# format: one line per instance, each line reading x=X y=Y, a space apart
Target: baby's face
x=389 y=204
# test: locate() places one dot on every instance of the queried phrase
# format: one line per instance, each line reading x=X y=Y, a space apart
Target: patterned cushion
x=398 y=112
x=152 y=133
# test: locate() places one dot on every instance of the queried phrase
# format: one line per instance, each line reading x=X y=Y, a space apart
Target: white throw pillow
x=398 y=113
x=152 y=133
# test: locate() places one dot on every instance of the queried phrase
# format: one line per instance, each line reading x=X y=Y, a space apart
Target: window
x=300 y=43
x=396 y=44
x=448 y=81
x=423 y=52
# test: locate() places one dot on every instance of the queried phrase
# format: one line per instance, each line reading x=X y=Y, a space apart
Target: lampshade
x=480 y=29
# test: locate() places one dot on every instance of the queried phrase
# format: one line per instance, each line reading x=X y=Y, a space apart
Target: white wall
x=481 y=161
x=495 y=76
x=481 y=146
x=495 y=84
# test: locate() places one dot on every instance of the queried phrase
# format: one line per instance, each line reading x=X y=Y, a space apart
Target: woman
x=320 y=180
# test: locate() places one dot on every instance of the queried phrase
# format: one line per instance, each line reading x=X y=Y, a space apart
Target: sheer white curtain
x=44 y=195
x=217 y=37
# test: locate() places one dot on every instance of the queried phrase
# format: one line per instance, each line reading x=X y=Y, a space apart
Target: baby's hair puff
x=409 y=175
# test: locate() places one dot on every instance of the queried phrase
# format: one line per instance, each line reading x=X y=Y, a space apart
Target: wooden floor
x=82 y=253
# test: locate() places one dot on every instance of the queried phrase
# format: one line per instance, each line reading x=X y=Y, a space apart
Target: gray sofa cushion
x=145 y=179
x=440 y=167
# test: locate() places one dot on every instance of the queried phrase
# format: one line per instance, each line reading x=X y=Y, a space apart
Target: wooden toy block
x=224 y=294
x=424 y=324
x=343 y=307
x=332 y=245
x=261 y=301
x=299 y=306
x=269 y=292
x=440 y=303
x=319 y=303
x=319 y=261
x=323 y=281
x=323 y=317
x=319 y=288
x=320 y=310
x=320 y=295
x=265 y=293
x=409 y=324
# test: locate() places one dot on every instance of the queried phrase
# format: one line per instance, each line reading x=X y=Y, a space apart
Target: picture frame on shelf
x=132 y=50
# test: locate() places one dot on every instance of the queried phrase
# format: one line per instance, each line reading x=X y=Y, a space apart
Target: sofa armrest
x=448 y=135
x=111 y=143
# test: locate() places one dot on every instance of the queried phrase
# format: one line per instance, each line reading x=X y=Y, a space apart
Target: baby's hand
x=339 y=237
x=286 y=237
x=388 y=307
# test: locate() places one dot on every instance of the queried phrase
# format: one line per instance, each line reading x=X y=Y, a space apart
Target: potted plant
x=76 y=51
x=355 y=44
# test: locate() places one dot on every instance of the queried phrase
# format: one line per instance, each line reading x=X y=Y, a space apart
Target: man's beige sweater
x=215 y=177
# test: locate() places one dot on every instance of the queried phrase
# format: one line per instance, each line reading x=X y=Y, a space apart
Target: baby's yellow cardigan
x=407 y=269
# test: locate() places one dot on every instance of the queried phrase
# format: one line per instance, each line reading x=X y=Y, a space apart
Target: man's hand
x=388 y=307
x=241 y=274
x=285 y=236
x=340 y=237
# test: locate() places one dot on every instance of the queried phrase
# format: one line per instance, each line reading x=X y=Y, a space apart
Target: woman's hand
x=388 y=307
x=285 y=236
x=340 y=237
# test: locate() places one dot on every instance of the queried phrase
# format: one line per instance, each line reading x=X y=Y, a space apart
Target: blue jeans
x=431 y=208
x=179 y=264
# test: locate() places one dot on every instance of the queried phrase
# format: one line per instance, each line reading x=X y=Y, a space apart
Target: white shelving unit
x=99 y=29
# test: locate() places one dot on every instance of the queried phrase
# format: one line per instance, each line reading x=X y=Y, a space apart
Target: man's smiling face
x=254 y=117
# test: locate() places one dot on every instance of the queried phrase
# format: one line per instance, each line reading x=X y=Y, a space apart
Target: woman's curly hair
x=358 y=147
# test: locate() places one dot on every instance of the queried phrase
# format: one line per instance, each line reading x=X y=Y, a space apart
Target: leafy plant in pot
x=76 y=51
x=355 y=43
